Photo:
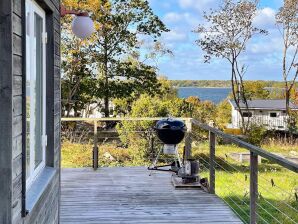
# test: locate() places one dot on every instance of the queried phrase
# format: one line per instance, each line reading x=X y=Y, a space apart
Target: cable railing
x=264 y=200
x=257 y=192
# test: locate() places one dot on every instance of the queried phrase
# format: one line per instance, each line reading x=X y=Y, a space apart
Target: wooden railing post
x=212 y=139
x=253 y=187
x=95 y=147
x=188 y=139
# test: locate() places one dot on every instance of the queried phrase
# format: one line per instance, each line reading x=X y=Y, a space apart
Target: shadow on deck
x=130 y=195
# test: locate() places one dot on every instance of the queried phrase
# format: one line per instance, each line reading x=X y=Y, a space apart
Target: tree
x=163 y=91
x=255 y=90
x=78 y=80
x=287 y=20
x=76 y=83
x=226 y=35
x=116 y=41
x=223 y=114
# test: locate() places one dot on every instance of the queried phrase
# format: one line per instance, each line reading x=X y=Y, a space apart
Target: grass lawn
x=278 y=187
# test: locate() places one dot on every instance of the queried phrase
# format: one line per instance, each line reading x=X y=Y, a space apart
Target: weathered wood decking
x=130 y=195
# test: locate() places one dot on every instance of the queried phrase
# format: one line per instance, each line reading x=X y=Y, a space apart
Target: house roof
x=265 y=104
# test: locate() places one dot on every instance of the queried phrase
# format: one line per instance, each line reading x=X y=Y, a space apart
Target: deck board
x=130 y=195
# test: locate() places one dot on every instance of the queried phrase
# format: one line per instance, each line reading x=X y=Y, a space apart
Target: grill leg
x=155 y=161
x=178 y=157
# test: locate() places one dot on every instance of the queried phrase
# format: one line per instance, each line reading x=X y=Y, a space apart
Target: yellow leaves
x=96 y=7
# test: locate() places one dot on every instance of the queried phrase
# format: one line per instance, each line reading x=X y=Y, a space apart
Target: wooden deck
x=130 y=195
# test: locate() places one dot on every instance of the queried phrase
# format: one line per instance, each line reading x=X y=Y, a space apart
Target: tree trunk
x=237 y=95
x=106 y=106
x=106 y=85
x=68 y=109
x=287 y=100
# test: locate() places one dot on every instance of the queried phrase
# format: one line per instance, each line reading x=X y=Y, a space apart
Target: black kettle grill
x=170 y=131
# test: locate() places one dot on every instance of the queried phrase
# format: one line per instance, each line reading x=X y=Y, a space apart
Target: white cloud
x=199 y=5
x=265 y=18
x=175 y=35
x=172 y=17
x=268 y=45
x=186 y=20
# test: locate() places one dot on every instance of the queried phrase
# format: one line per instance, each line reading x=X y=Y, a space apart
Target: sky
x=263 y=55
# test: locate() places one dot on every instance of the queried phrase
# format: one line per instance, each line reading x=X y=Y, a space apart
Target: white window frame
x=31 y=8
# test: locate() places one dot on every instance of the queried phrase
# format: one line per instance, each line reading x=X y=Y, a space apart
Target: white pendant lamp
x=82 y=26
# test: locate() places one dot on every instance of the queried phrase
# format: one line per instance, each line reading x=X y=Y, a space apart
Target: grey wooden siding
x=5 y=110
x=12 y=76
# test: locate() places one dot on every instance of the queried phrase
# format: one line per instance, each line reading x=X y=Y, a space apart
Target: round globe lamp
x=82 y=26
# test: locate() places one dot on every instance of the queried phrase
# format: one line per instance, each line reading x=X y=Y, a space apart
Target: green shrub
x=256 y=134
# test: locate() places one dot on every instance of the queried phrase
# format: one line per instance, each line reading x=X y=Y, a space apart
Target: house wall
x=235 y=118
x=263 y=118
x=12 y=108
x=6 y=119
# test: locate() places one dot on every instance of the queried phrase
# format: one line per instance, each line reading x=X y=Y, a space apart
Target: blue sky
x=263 y=55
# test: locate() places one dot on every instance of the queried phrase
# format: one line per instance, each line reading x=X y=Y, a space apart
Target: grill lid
x=170 y=123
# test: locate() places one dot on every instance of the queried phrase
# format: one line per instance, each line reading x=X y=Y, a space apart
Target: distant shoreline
x=203 y=87
x=219 y=83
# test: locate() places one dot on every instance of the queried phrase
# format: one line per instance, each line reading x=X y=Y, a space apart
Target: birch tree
x=287 y=21
x=225 y=34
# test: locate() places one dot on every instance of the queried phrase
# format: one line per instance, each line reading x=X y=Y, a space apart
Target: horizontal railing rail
x=121 y=119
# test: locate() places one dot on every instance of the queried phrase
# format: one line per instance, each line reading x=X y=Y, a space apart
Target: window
x=35 y=90
x=273 y=114
x=247 y=114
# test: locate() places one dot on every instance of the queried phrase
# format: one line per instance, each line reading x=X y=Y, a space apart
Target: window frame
x=247 y=114
x=271 y=113
x=33 y=8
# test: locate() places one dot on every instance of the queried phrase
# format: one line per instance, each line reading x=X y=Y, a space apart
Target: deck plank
x=130 y=195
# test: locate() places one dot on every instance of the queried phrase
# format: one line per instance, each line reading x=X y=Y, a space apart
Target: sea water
x=216 y=95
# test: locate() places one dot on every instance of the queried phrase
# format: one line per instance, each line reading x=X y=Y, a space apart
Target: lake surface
x=215 y=95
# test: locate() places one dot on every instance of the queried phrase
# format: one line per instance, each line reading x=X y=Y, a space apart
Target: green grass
x=232 y=178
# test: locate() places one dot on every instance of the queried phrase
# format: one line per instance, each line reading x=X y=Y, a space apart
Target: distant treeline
x=218 y=83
